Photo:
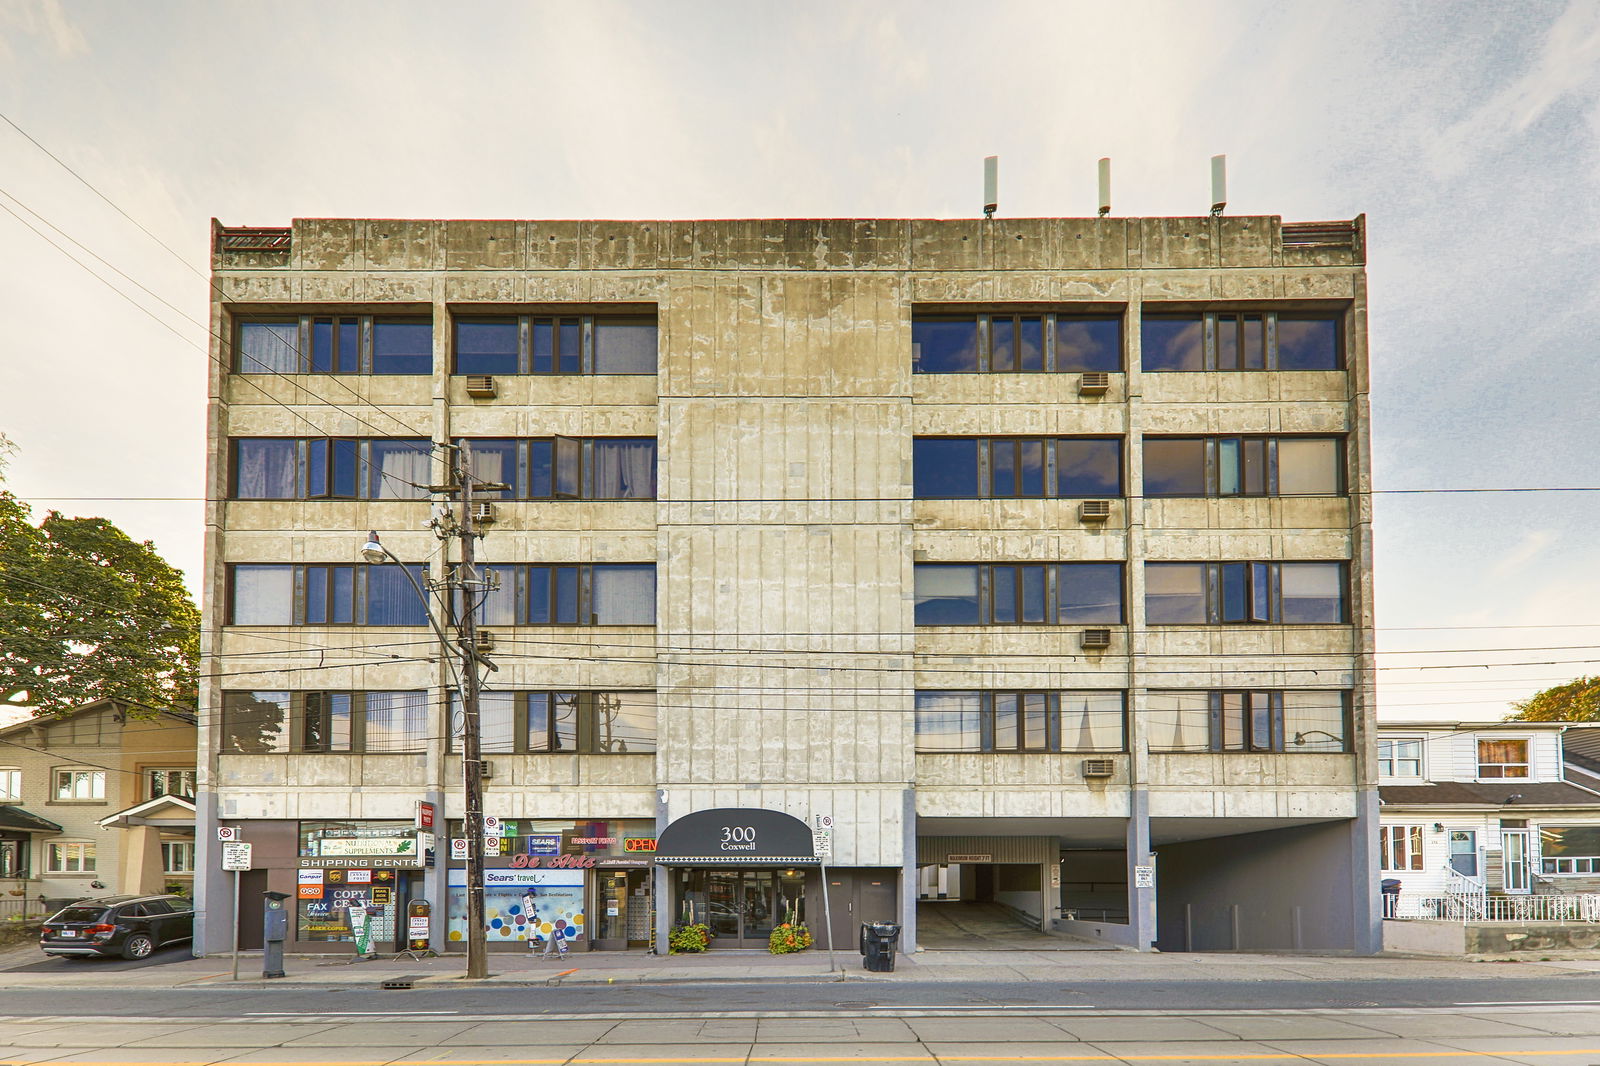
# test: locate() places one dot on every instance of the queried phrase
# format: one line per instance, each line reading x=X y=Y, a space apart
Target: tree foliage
x=1575 y=701
x=88 y=613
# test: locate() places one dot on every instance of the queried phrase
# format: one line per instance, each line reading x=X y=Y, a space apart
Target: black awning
x=18 y=820
x=736 y=836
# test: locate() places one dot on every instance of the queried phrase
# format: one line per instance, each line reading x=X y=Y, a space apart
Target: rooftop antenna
x=1105 y=186
x=1219 y=183
x=991 y=185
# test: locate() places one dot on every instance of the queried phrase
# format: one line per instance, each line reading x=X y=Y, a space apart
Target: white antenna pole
x=991 y=185
x=1219 y=183
x=1105 y=186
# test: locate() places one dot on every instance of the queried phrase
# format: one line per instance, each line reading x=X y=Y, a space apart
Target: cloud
x=40 y=19
x=1532 y=545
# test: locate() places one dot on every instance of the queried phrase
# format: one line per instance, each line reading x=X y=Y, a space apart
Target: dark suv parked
x=130 y=926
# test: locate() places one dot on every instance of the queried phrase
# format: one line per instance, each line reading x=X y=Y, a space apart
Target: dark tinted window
x=75 y=915
x=1089 y=593
x=944 y=345
x=1088 y=344
x=402 y=347
x=1089 y=467
x=944 y=468
x=1174 y=467
x=156 y=906
x=1308 y=344
x=1173 y=343
x=133 y=910
x=486 y=346
x=624 y=346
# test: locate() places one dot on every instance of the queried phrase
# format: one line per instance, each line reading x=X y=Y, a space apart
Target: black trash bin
x=877 y=944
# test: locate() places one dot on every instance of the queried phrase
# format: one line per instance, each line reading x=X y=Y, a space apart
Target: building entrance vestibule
x=741 y=907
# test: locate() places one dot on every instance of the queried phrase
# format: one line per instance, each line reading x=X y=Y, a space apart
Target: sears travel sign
x=749 y=836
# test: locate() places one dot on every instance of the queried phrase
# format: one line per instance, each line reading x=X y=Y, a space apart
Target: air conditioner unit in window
x=482 y=385
x=1093 y=383
x=1097 y=638
x=483 y=513
x=1099 y=767
x=484 y=640
x=1094 y=510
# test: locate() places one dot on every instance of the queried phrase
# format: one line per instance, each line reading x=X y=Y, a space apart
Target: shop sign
x=424 y=816
x=359 y=877
x=639 y=844
x=594 y=840
x=509 y=876
x=617 y=862
x=374 y=862
x=729 y=834
x=310 y=885
x=369 y=846
x=545 y=843
x=382 y=894
x=1144 y=877
x=531 y=862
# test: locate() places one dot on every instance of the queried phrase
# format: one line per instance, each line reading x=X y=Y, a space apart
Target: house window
x=318 y=468
x=1298 y=593
x=333 y=344
x=178 y=781
x=1003 y=721
x=1250 y=340
x=577 y=468
x=1295 y=721
x=280 y=594
x=77 y=785
x=69 y=858
x=10 y=784
x=571 y=344
x=585 y=723
x=1005 y=467
x=1243 y=466
x=371 y=723
x=1400 y=757
x=1004 y=342
x=597 y=594
x=177 y=856
x=1569 y=849
x=1400 y=847
x=980 y=594
x=1502 y=758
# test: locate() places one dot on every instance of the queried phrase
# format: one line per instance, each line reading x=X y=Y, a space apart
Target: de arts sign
x=741 y=835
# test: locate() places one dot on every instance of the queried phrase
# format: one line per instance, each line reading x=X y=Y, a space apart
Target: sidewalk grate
x=409 y=981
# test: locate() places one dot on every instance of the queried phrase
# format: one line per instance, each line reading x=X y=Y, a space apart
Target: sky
x=1468 y=133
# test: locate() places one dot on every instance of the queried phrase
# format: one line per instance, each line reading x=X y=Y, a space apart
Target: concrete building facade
x=1035 y=554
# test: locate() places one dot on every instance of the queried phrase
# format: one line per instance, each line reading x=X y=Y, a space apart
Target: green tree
x=88 y=613
x=1575 y=701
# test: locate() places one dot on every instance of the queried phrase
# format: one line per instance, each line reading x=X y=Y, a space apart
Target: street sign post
x=822 y=848
x=235 y=857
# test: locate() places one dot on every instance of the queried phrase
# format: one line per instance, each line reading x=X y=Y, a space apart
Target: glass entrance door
x=621 y=909
x=741 y=907
x=1515 y=860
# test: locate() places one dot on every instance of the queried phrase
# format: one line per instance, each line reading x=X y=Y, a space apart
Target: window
x=587 y=723
x=281 y=594
x=179 y=781
x=1244 y=593
x=974 y=594
x=1020 y=721
x=77 y=785
x=1400 y=847
x=587 y=468
x=373 y=723
x=1243 y=466
x=597 y=594
x=177 y=856
x=1569 y=849
x=1250 y=340
x=69 y=858
x=10 y=784
x=13 y=858
x=1400 y=757
x=334 y=344
x=995 y=467
x=572 y=344
x=1293 y=721
x=1502 y=758
x=1028 y=342
x=318 y=468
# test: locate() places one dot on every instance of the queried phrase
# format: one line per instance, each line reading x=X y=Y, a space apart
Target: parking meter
x=274 y=931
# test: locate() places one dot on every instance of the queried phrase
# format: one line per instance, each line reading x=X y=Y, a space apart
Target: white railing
x=1584 y=907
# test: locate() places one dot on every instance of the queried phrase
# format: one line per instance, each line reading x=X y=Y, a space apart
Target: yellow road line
x=739 y=1060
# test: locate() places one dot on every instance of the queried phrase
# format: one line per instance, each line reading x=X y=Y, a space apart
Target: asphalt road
x=778 y=996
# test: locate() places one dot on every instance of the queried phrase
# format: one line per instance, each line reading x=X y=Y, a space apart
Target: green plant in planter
x=791 y=935
x=690 y=938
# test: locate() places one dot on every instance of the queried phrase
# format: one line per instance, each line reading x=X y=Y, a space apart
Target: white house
x=1504 y=807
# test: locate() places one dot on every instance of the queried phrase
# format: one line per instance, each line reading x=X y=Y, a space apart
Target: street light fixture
x=465 y=645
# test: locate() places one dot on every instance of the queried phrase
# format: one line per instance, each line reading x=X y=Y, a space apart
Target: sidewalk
x=26 y=968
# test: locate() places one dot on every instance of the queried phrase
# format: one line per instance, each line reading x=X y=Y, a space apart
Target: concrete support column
x=435 y=882
x=908 y=875
x=213 y=889
x=1367 y=906
x=661 y=882
x=142 y=872
x=1141 y=901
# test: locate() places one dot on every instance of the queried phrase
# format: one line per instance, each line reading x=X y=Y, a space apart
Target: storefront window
x=519 y=905
x=343 y=839
x=326 y=920
x=600 y=838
